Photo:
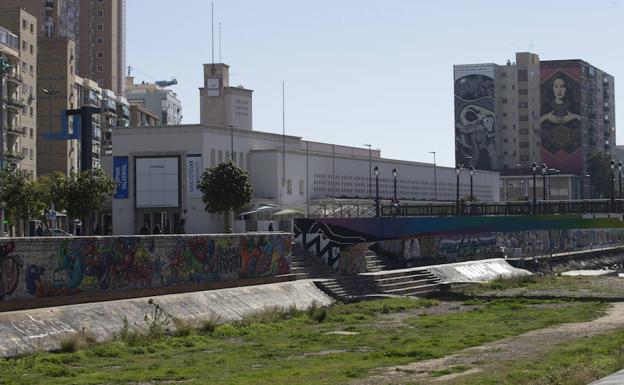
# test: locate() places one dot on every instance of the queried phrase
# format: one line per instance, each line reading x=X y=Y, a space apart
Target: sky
x=359 y=71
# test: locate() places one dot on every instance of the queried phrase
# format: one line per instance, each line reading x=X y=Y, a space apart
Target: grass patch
x=578 y=362
x=285 y=346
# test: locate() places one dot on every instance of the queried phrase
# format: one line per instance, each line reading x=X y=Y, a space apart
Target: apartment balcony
x=14 y=78
x=14 y=103
x=16 y=130
x=12 y=156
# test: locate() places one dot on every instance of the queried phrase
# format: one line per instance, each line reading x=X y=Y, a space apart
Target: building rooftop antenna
x=212 y=34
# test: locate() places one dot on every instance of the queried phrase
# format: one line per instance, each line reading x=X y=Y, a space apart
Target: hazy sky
x=361 y=71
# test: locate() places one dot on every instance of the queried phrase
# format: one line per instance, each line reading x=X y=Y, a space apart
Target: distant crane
x=160 y=83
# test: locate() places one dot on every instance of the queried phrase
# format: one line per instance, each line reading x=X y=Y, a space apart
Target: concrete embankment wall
x=52 y=271
x=28 y=331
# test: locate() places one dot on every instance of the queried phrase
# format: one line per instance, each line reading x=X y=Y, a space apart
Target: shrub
x=209 y=325
x=183 y=328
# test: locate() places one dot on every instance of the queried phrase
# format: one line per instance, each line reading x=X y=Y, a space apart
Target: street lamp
x=376 y=191
x=472 y=170
x=534 y=169
x=589 y=186
x=435 y=177
x=544 y=171
x=457 y=171
x=619 y=166
x=370 y=171
x=5 y=66
x=612 y=166
x=395 y=174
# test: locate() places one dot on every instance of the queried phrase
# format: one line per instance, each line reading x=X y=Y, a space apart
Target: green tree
x=52 y=191
x=21 y=198
x=226 y=188
x=599 y=169
x=84 y=193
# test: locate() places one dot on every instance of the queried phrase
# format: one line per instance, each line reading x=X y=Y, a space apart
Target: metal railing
x=436 y=209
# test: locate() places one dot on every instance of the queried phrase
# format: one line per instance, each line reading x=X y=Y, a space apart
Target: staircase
x=374 y=263
x=407 y=282
x=304 y=266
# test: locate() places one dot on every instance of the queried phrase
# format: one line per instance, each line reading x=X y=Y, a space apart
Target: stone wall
x=36 y=268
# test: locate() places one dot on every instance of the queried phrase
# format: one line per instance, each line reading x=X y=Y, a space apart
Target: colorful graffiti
x=353 y=259
x=96 y=265
x=459 y=238
x=10 y=266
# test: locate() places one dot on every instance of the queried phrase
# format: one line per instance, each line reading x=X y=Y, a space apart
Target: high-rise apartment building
x=103 y=42
x=57 y=93
x=162 y=102
x=554 y=112
x=97 y=28
x=18 y=127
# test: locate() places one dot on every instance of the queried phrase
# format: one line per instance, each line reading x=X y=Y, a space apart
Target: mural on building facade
x=560 y=118
x=99 y=265
x=475 y=119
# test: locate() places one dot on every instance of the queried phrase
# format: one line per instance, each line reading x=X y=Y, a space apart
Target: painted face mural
x=560 y=121
x=475 y=135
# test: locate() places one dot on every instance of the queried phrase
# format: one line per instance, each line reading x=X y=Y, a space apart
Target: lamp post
x=370 y=171
x=472 y=170
x=4 y=67
x=619 y=166
x=612 y=166
x=376 y=191
x=544 y=171
x=589 y=186
x=435 y=177
x=534 y=169
x=395 y=174
x=457 y=171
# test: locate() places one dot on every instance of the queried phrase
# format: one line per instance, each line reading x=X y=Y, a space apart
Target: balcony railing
x=16 y=130
x=437 y=209
x=14 y=156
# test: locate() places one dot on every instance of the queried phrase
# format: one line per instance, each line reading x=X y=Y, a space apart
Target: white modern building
x=158 y=168
x=161 y=101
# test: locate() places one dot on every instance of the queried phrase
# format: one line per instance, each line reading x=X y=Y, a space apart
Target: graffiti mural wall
x=560 y=117
x=47 y=267
x=475 y=119
x=454 y=238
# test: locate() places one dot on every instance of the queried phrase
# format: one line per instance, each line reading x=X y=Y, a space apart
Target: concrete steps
x=385 y=283
x=374 y=263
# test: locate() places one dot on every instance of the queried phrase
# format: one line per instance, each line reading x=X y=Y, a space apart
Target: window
x=100 y=54
x=100 y=68
x=32 y=70
x=227 y=156
x=523 y=75
x=32 y=132
x=100 y=40
x=212 y=158
x=100 y=13
x=289 y=186
x=524 y=118
x=301 y=187
x=220 y=156
x=524 y=144
x=32 y=28
x=523 y=91
x=504 y=100
x=24 y=45
x=31 y=154
x=32 y=49
x=100 y=27
x=523 y=105
x=24 y=24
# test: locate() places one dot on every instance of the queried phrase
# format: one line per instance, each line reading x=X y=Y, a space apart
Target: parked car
x=60 y=233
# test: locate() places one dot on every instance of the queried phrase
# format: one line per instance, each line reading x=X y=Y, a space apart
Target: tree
x=52 y=191
x=599 y=169
x=15 y=195
x=226 y=188
x=85 y=192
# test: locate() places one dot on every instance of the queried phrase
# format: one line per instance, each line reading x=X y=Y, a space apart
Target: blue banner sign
x=120 y=175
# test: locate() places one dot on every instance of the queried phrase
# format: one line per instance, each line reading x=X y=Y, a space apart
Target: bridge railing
x=432 y=209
